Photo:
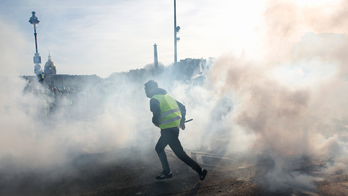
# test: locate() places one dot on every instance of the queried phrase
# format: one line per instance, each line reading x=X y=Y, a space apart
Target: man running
x=169 y=115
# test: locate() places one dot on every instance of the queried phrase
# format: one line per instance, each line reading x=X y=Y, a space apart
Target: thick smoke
x=296 y=123
x=245 y=106
x=286 y=22
x=32 y=139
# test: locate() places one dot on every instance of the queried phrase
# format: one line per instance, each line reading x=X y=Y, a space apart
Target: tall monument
x=155 y=57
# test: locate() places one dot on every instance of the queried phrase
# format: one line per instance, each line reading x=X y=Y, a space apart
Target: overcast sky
x=105 y=36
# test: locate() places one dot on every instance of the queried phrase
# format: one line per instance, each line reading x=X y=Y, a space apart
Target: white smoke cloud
x=14 y=59
x=31 y=140
x=295 y=121
x=244 y=107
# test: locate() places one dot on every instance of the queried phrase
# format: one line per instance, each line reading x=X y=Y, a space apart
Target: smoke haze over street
x=280 y=105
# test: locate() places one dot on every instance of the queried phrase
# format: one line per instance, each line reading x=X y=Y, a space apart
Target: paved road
x=98 y=174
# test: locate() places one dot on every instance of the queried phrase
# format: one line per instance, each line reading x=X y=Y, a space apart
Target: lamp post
x=176 y=30
x=37 y=58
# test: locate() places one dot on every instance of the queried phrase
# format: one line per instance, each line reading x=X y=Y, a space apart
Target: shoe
x=203 y=174
x=163 y=176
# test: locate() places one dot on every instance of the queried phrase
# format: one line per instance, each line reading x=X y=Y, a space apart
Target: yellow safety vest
x=170 y=112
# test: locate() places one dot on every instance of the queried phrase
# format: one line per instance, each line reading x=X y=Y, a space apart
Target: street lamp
x=176 y=30
x=37 y=58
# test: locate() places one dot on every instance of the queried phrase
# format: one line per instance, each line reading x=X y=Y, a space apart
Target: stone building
x=50 y=68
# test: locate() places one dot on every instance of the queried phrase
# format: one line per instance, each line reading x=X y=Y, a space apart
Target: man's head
x=150 y=87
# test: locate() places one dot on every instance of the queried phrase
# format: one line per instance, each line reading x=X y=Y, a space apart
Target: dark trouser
x=171 y=136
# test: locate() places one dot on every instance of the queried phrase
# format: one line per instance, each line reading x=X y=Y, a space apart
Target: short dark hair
x=151 y=84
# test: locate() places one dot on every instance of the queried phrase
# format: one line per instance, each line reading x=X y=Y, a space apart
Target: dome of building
x=50 y=68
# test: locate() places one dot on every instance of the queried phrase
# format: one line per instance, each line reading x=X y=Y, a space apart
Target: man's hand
x=182 y=126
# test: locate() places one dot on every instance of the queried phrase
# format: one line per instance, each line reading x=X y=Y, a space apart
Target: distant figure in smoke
x=167 y=116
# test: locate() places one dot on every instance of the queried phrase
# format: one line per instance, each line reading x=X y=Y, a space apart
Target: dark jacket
x=156 y=111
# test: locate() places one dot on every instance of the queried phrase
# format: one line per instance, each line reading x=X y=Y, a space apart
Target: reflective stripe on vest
x=170 y=120
x=170 y=112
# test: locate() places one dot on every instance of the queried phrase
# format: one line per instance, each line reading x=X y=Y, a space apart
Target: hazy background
x=102 y=37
